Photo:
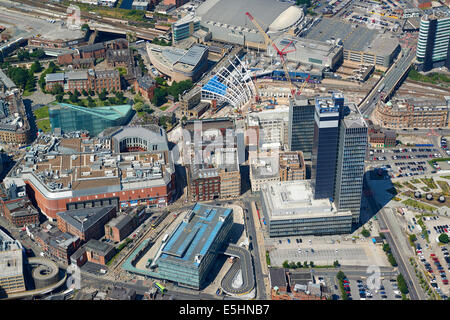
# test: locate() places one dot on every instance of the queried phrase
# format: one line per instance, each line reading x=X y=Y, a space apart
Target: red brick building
x=57 y=244
x=119 y=228
x=85 y=80
x=87 y=223
x=99 y=252
x=145 y=86
x=20 y=212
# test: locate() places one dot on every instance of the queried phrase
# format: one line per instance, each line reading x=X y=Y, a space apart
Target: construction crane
x=282 y=53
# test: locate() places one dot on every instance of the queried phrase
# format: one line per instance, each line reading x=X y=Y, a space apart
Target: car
x=288 y=240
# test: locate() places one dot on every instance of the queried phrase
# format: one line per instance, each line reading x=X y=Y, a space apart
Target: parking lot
x=405 y=162
x=359 y=289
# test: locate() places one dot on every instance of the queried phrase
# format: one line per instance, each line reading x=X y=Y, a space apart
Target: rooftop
x=101 y=248
x=83 y=219
x=108 y=113
x=295 y=200
x=193 y=237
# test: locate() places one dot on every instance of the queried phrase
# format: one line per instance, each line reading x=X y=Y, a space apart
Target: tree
x=365 y=232
x=102 y=95
x=336 y=264
x=286 y=264
x=23 y=55
x=19 y=76
x=292 y=265
x=299 y=264
x=120 y=97
x=57 y=89
x=392 y=260
x=159 y=97
x=112 y=100
x=443 y=237
x=77 y=93
x=161 y=82
x=38 y=54
x=412 y=238
x=84 y=93
x=91 y=104
x=91 y=92
x=402 y=286
x=307 y=3
x=60 y=98
x=305 y=264
x=340 y=275
x=36 y=67
x=311 y=264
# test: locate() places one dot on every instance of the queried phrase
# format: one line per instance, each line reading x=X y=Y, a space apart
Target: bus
x=160 y=287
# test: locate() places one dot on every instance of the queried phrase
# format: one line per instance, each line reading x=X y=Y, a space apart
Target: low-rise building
x=145 y=86
x=20 y=212
x=412 y=113
x=87 y=223
x=380 y=137
x=120 y=227
x=99 y=252
x=290 y=209
x=56 y=244
x=97 y=81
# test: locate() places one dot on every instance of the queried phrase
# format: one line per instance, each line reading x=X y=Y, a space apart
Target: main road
x=393 y=236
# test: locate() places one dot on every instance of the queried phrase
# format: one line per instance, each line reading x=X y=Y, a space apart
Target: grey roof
x=278 y=277
x=83 y=219
x=194 y=54
x=99 y=247
x=120 y=221
x=232 y=12
x=6 y=80
x=92 y=47
x=76 y=75
x=54 y=77
x=146 y=82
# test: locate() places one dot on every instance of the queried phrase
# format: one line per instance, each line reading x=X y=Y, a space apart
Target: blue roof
x=215 y=86
x=196 y=236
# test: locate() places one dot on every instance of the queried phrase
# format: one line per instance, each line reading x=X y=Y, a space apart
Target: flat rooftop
x=295 y=200
x=193 y=237
x=83 y=219
x=354 y=37
x=179 y=59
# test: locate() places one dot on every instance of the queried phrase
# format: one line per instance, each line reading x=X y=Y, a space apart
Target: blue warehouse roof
x=195 y=235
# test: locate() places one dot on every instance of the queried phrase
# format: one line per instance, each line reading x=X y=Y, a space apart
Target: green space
x=434 y=78
x=44 y=125
x=41 y=113
x=365 y=232
x=446 y=177
x=402 y=286
x=443 y=185
x=392 y=191
x=415 y=181
x=340 y=276
x=164 y=108
x=424 y=227
x=389 y=254
x=163 y=90
x=409 y=185
x=443 y=238
x=438 y=160
x=119 y=249
x=267 y=258
x=429 y=182
x=418 y=205
x=412 y=239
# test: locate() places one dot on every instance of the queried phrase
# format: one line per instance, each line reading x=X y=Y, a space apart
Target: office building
x=11 y=265
x=87 y=223
x=69 y=117
x=185 y=27
x=433 y=47
x=350 y=163
x=325 y=148
x=99 y=252
x=20 y=212
x=95 y=80
x=290 y=209
x=270 y=129
x=191 y=250
x=56 y=244
x=301 y=126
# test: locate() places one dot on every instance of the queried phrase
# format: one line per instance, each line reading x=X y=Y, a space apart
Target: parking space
x=405 y=162
x=359 y=289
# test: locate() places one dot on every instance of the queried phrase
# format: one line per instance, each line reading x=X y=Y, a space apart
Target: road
x=392 y=237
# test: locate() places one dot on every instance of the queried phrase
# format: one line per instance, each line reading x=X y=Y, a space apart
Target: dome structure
x=286 y=19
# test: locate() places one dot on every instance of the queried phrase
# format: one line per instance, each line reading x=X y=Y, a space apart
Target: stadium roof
x=232 y=12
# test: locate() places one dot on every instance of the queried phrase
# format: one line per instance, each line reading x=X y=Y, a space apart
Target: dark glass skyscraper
x=350 y=163
x=301 y=126
x=325 y=146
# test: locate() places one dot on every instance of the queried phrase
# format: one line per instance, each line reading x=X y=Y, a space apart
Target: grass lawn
x=163 y=108
x=44 y=125
x=444 y=186
x=27 y=93
x=41 y=113
x=415 y=181
x=419 y=205
x=446 y=177
x=409 y=185
x=429 y=182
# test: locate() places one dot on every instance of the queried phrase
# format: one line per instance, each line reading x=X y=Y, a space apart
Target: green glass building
x=70 y=117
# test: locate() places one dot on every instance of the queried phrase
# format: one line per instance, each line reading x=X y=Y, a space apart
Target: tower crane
x=282 y=53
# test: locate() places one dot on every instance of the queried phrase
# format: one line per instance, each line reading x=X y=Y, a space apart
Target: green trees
x=336 y=264
x=36 y=67
x=159 y=97
x=102 y=95
x=52 y=68
x=23 y=55
x=286 y=264
x=402 y=284
x=84 y=92
x=60 y=98
x=57 y=89
x=303 y=2
x=443 y=237
x=389 y=254
x=341 y=276
x=365 y=232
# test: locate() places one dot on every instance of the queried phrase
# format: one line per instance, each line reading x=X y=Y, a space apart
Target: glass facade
x=325 y=145
x=73 y=118
x=353 y=142
x=301 y=127
x=433 y=45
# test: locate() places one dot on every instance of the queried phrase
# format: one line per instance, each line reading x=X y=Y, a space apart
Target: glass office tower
x=350 y=163
x=325 y=146
x=301 y=126
x=433 y=46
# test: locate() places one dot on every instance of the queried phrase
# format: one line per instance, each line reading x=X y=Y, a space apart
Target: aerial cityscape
x=233 y=150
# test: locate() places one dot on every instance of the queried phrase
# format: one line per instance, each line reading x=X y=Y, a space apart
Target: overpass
x=397 y=74
x=244 y=265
